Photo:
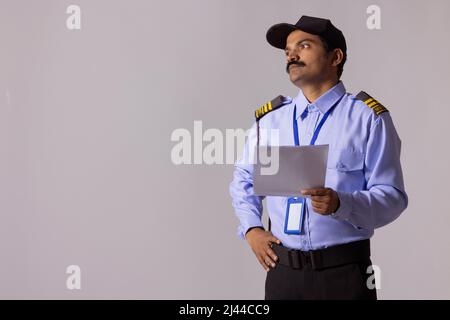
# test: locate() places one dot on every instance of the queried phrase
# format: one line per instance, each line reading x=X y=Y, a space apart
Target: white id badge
x=294 y=215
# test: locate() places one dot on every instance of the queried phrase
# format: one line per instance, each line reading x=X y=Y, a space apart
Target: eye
x=304 y=45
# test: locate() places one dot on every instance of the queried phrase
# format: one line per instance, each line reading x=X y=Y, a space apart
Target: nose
x=293 y=56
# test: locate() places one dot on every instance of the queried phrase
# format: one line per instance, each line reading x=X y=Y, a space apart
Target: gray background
x=85 y=122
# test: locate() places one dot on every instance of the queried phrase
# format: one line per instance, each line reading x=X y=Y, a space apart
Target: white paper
x=297 y=168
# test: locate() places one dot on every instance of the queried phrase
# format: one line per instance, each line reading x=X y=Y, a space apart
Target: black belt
x=323 y=258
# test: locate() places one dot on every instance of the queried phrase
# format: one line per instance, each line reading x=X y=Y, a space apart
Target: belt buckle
x=293 y=265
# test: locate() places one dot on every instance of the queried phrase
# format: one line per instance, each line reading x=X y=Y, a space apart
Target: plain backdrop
x=86 y=117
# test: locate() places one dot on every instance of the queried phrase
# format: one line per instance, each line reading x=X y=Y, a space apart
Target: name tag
x=294 y=215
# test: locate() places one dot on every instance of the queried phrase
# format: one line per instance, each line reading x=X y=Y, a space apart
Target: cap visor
x=278 y=33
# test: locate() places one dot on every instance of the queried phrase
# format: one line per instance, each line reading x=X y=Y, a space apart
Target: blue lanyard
x=316 y=132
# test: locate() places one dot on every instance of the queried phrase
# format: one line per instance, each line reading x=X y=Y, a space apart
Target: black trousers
x=335 y=283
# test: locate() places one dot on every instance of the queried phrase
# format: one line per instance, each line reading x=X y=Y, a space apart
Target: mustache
x=298 y=63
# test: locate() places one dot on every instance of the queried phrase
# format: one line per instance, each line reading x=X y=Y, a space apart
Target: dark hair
x=340 y=66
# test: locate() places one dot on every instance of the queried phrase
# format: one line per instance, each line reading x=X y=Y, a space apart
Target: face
x=307 y=59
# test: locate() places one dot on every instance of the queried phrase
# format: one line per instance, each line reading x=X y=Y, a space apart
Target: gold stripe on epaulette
x=378 y=109
x=372 y=103
x=368 y=101
x=271 y=105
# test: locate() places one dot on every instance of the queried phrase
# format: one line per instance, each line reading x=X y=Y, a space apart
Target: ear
x=338 y=56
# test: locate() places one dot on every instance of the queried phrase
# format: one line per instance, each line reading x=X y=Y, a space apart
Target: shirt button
x=304 y=242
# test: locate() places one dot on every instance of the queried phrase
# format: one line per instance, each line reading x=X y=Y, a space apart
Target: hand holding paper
x=323 y=200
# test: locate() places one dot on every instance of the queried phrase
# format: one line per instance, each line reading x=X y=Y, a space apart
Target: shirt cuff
x=345 y=206
x=251 y=223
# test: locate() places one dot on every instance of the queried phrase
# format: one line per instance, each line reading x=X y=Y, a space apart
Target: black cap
x=277 y=34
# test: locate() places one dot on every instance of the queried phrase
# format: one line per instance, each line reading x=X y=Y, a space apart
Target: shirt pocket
x=345 y=160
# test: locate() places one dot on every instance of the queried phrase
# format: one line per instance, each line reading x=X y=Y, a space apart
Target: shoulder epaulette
x=271 y=105
x=371 y=102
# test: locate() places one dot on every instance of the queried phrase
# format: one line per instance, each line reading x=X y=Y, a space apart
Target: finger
x=314 y=192
x=263 y=263
x=321 y=198
x=276 y=240
x=318 y=205
x=319 y=209
x=272 y=254
x=268 y=260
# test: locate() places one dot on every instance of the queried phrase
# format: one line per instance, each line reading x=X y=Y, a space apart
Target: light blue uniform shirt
x=363 y=168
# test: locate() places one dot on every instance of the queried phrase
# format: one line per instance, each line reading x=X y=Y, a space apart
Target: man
x=329 y=256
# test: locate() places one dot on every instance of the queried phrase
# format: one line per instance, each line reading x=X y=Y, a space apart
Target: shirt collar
x=323 y=103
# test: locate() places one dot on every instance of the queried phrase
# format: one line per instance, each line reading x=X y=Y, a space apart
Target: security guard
x=329 y=255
